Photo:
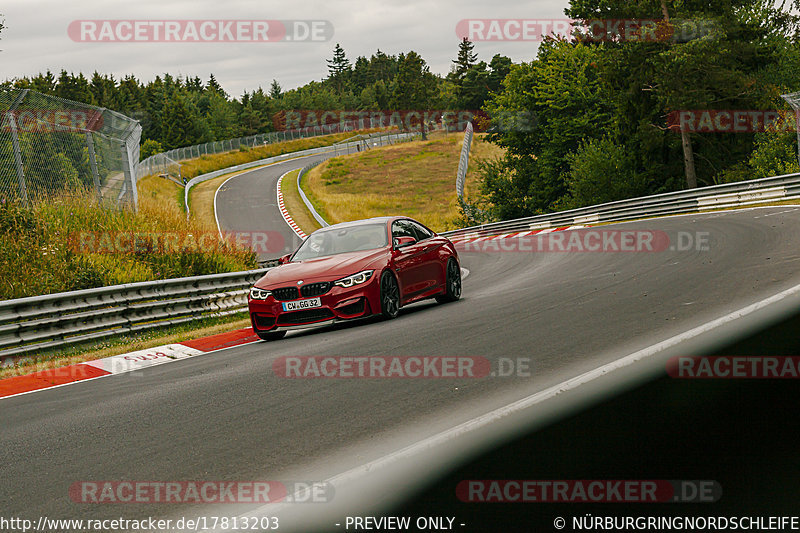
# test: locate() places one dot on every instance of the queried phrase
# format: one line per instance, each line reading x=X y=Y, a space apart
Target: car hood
x=327 y=268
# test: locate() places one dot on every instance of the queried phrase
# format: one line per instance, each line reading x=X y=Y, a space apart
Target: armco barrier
x=737 y=194
x=306 y=201
x=53 y=321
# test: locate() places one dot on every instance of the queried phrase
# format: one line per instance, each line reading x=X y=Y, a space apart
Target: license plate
x=302 y=304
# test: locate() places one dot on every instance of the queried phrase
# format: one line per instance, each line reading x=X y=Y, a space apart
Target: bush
x=775 y=154
x=150 y=147
x=602 y=171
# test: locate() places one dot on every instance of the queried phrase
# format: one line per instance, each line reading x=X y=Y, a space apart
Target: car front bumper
x=338 y=304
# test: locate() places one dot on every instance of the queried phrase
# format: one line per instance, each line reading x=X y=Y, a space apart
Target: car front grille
x=305 y=316
x=315 y=289
x=285 y=293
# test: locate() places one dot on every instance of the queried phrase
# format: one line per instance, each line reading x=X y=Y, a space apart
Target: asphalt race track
x=248 y=203
x=227 y=416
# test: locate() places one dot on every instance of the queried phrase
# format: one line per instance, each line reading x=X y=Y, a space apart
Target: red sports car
x=355 y=270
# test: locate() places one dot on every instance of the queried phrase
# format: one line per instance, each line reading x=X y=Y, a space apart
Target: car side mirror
x=285 y=259
x=402 y=242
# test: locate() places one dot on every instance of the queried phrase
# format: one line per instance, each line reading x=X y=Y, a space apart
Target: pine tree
x=466 y=58
x=339 y=63
x=74 y=88
x=213 y=87
x=176 y=124
x=338 y=67
x=275 y=91
x=44 y=83
x=414 y=84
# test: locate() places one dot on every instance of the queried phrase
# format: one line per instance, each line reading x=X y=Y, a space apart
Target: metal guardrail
x=40 y=323
x=306 y=201
x=463 y=161
x=737 y=194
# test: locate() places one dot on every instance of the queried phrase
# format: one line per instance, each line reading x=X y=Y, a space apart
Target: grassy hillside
x=415 y=179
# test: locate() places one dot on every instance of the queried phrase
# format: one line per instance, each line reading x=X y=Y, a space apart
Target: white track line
x=539 y=397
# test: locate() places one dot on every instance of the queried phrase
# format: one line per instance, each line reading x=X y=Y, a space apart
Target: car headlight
x=355 y=279
x=259 y=294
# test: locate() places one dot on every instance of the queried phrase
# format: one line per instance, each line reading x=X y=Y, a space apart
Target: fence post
x=23 y=189
x=127 y=164
x=93 y=165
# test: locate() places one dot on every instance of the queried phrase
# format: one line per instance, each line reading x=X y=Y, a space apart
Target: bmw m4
x=355 y=270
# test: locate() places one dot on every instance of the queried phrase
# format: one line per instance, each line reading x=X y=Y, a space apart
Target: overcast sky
x=36 y=37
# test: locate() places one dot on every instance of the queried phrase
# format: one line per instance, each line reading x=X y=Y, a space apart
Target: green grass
x=209 y=163
x=41 y=255
x=416 y=179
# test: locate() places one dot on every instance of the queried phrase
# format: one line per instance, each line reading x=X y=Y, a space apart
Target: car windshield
x=342 y=240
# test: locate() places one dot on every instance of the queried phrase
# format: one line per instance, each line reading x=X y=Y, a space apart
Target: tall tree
x=382 y=67
x=564 y=89
x=338 y=67
x=104 y=90
x=500 y=67
x=275 y=90
x=44 y=83
x=175 y=122
x=414 y=84
x=214 y=87
x=74 y=87
x=360 y=77
x=466 y=58
x=474 y=87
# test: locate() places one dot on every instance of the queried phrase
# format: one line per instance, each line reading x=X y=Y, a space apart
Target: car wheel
x=390 y=296
x=452 y=283
x=271 y=335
